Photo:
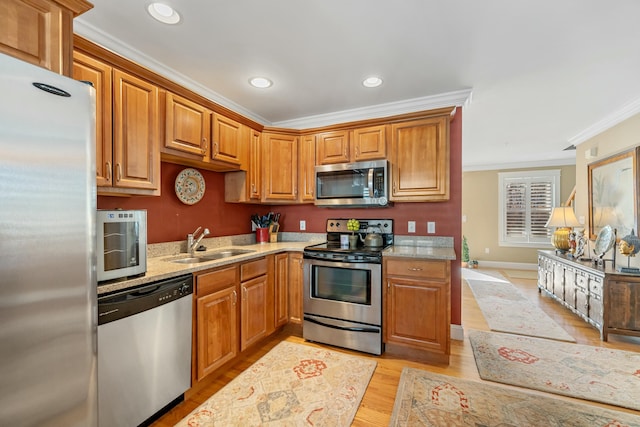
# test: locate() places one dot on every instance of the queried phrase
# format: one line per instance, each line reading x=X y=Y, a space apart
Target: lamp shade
x=562 y=217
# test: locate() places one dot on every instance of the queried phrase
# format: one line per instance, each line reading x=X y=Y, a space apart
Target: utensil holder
x=262 y=235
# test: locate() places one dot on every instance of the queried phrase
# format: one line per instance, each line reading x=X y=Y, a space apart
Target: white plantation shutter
x=526 y=200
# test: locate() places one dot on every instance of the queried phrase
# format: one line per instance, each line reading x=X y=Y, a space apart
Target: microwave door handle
x=370 y=178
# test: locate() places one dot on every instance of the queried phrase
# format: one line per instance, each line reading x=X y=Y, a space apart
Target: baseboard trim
x=511 y=265
x=457 y=332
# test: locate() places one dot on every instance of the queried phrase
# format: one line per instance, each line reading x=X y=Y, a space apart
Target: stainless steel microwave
x=358 y=184
x=121 y=243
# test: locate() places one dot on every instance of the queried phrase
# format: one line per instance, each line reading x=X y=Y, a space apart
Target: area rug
x=506 y=310
x=292 y=385
x=592 y=373
x=428 y=399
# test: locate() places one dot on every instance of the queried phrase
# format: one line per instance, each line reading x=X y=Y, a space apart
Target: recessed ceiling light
x=372 y=82
x=260 y=82
x=163 y=13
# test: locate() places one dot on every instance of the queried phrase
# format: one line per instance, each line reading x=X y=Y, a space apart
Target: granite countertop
x=160 y=267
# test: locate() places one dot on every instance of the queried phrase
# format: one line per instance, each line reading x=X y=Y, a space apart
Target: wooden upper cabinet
x=420 y=160
x=227 y=143
x=280 y=166
x=255 y=165
x=136 y=155
x=332 y=147
x=99 y=74
x=187 y=126
x=40 y=31
x=307 y=164
x=369 y=143
x=357 y=145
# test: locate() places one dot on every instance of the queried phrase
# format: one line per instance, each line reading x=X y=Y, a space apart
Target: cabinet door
x=420 y=160
x=332 y=147
x=187 y=126
x=227 y=140
x=281 y=309
x=307 y=168
x=417 y=314
x=99 y=74
x=295 y=287
x=369 y=143
x=40 y=31
x=623 y=305
x=216 y=330
x=280 y=155
x=136 y=154
x=255 y=165
x=254 y=311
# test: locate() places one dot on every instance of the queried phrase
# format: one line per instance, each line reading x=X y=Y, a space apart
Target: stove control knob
x=330 y=224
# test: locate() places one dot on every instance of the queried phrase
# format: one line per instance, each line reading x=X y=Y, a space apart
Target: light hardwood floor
x=377 y=404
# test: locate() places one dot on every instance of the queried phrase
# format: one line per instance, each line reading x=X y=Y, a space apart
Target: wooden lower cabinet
x=253 y=287
x=295 y=287
x=417 y=310
x=254 y=311
x=216 y=320
x=281 y=283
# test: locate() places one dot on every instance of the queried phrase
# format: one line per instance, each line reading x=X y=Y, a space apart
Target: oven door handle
x=352 y=329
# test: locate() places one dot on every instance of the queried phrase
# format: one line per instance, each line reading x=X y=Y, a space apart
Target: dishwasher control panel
x=126 y=303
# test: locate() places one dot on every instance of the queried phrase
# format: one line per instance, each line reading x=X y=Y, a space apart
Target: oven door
x=344 y=291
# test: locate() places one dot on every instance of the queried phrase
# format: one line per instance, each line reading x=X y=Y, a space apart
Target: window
x=526 y=199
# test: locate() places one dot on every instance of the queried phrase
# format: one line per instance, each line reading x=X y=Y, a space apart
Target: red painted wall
x=170 y=220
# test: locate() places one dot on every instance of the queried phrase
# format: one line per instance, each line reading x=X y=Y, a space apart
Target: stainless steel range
x=343 y=287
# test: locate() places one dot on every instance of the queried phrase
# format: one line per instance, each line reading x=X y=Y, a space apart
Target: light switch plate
x=431 y=227
x=411 y=225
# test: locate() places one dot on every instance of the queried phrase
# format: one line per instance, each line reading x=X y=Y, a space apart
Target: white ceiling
x=532 y=77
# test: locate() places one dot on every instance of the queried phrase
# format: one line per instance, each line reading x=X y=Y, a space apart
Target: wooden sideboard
x=604 y=297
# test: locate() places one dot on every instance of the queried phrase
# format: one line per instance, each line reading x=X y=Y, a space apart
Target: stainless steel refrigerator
x=47 y=248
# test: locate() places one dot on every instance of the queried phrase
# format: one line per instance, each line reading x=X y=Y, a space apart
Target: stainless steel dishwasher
x=144 y=351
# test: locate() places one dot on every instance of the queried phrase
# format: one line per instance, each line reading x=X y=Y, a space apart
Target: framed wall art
x=613 y=193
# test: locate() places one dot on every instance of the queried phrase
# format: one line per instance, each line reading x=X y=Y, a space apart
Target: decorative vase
x=353 y=241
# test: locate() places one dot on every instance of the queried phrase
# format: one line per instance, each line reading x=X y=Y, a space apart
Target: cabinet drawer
x=252 y=269
x=416 y=268
x=216 y=280
x=595 y=287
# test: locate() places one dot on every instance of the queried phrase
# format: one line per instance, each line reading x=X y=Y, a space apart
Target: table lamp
x=563 y=219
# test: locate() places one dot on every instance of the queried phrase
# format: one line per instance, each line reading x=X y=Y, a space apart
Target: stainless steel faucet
x=193 y=242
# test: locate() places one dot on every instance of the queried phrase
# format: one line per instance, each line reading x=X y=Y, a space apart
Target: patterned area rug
x=506 y=310
x=428 y=399
x=292 y=385
x=591 y=373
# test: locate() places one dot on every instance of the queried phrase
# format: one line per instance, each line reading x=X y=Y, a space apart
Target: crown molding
x=628 y=110
x=105 y=40
x=448 y=99
x=519 y=165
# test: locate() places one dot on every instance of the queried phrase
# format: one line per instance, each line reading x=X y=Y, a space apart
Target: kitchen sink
x=190 y=260
x=225 y=253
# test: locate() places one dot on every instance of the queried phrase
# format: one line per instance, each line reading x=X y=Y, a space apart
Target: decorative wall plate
x=190 y=186
x=604 y=241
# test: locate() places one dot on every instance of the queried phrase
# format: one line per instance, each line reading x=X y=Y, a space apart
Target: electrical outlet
x=411 y=226
x=303 y=225
x=486 y=250
x=464 y=218
x=431 y=227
